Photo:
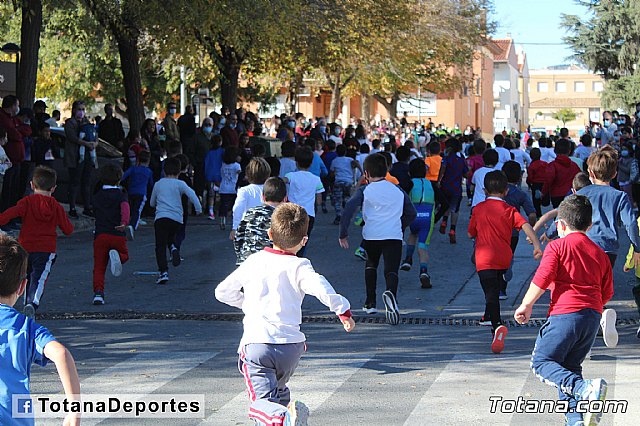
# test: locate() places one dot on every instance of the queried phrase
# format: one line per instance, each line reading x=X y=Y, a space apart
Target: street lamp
x=13 y=49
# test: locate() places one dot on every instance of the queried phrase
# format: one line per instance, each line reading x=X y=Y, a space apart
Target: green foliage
x=565 y=115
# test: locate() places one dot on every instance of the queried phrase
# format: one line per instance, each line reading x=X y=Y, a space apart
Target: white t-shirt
x=382 y=210
x=287 y=165
x=229 y=173
x=503 y=156
x=583 y=152
x=520 y=157
x=547 y=155
x=478 y=180
x=249 y=196
x=303 y=187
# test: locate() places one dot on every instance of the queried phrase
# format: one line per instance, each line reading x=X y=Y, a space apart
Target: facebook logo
x=24 y=406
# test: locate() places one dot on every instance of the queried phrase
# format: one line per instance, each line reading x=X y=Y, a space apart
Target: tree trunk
x=29 y=48
x=336 y=98
x=390 y=105
x=365 y=108
x=229 y=85
x=130 y=66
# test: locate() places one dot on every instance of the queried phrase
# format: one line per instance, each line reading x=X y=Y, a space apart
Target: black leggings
x=492 y=281
x=165 y=230
x=391 y=250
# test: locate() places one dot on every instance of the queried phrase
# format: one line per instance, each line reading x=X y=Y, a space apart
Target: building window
x=578 y=86
x=598 y=86
x=594 y=114
x=543 y=86
x=561 y=86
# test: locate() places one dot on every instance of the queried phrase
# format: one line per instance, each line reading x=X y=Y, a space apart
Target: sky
x=537 y=21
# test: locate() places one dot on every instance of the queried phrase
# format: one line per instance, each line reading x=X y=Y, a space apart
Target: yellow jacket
x=628 y=263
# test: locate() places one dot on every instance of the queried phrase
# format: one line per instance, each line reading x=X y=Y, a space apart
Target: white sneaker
x=114 y=261
x=98 y=299
x=297 y=414
x=391 y=308
x=608 y=324
x=141 y=222
x=129 y=233
x=163 y=278
x=370 y=309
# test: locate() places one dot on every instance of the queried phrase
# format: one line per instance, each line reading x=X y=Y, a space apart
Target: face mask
x=322 y=129
x=625 y=153
x=207 y=129
x=223 y=121
x=353 y=134
x=336 y=132
x=616 y=138
x=291 y=124
x=638 y=114
x=233 y=126
x=79 y=115
x=607 y=123
x=172 y=111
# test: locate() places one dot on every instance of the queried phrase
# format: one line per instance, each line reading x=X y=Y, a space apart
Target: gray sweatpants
x=267 y=369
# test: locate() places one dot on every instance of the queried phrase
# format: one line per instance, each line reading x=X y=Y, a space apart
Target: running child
x=492 y=223
x=167 y=200
x=580 y=278
x=251 y=235
x=559 y=174
x=342 y=168
x=474 y=162
x=454 y=169
x=229 y=171
x=387 y=211
x=269 y=287
x=536 y=177
x=138 y=180
x=41 y=214
x=490 y=158
x=112 y=219
x=250 y=196
x=305 y=188
x=184 y=176
x=212 y=167
x=24 y=342
x=423 y=199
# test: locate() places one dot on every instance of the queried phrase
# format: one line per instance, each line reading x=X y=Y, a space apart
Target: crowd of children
x=273 y=204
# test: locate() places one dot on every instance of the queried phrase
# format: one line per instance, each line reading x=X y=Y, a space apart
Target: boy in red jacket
x=41 y=214
x=492 y=222
x=560 y=173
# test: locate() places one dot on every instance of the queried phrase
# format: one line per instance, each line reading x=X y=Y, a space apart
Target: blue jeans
x=562 y=345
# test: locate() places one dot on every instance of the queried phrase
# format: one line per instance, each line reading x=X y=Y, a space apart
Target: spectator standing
x=169 y=123
x=111 y=129
x=187 y=129
x=229 y=134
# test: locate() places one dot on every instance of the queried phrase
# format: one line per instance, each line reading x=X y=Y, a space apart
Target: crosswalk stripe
x=314 y=381
x=141 y=374
x=625 y=388
x=460 y=394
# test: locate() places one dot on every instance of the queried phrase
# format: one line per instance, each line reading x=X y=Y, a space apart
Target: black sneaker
x=425 y=280
x=163 y=278
x=88 y=212
x=336 y=221
x=324 y=209
x=73 y=214
x=391 y=308
x=406 y=264
x=175 y=256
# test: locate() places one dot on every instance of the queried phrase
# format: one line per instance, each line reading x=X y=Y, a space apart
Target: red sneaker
x=443 y=227
x=499 y=335
x=452 y=236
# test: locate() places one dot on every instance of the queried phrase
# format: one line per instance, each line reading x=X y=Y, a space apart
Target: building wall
x=506 y=98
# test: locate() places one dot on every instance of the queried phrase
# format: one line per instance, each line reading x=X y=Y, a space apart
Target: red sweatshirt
x=560 y=174
x=40 y=214
x=536 y=173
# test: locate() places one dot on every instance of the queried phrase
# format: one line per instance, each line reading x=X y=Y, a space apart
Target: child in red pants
x=112 y=217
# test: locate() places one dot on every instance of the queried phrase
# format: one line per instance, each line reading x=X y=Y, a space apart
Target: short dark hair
x=580 y=180
x=479 y=146
x=433 y=148
x=331 y=144
x=13 y=265
x=388 y=158
x=110 y=174
x=376 y=165
x=498 y=139
x=364 y=148
x=341 y=150
x=535 y=154
x=575 y=211
x=513 y=171
x=376 y=143
x=563 y=147
x=9 y=101
x=172 y=166
x=288 y=149
x=304 y=157
x=76 y=104
x=403 y=153
x=490 y=157
x=230 y=155
x=174 y=148
x=44 y=178
x=274 y=190
x=495 y=182
x=417 y=168
x=144 y=157
x=184 y=161
x=289 y=225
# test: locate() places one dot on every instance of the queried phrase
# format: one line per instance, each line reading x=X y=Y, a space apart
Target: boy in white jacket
x=272 y=343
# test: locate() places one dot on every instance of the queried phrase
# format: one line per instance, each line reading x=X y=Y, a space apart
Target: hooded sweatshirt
x=560 y=173
x=40 y=214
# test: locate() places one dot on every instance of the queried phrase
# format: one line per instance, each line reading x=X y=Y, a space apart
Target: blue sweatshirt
x=610 y=207
x=213 y=165
x=140 y=180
